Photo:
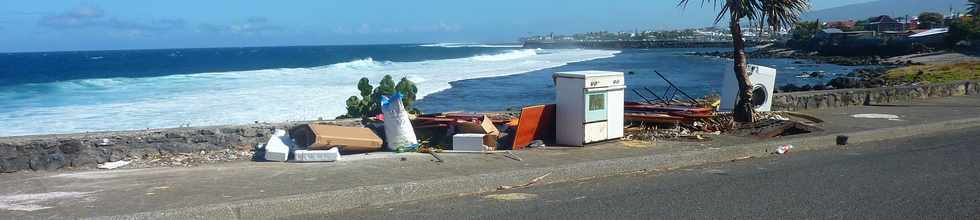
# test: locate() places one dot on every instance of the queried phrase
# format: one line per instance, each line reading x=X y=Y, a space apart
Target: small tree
x=805 y=30
x=963 y=31
x=775 y=14
x=369 y=103
x=929 y=20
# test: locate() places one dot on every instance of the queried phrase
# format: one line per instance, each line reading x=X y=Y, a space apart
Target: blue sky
x=128 y=24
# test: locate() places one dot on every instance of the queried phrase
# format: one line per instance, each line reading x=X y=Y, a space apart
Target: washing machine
x=763 y=80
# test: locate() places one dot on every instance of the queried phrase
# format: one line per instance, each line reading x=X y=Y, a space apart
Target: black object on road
x=842 y=140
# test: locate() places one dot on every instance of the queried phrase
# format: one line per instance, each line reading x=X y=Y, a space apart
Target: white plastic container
x=468 y=142
x=317 y=155
x=277 y=149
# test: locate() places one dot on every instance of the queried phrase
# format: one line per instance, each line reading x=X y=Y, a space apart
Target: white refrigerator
x=589 y=107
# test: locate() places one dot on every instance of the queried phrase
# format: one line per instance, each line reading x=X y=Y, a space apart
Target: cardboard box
x=484 y=127
x=347 y=139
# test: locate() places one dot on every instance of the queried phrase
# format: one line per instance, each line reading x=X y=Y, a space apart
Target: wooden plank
x=535 y=123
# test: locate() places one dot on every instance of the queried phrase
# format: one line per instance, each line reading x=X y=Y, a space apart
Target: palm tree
x=775 y=14
x=973 y=7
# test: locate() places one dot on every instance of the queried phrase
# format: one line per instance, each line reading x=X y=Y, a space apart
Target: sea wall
x=86 y=150
x=797 y=101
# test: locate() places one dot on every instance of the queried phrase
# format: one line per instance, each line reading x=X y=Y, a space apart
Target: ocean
x=88 y=91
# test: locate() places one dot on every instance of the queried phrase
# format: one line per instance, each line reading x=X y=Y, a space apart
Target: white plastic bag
x=399 y=132
x=784 y=148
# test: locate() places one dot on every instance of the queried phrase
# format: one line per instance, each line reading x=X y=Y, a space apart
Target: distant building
x=834 y=34
x=931 y=37
x=842 y=25
x=884 y=23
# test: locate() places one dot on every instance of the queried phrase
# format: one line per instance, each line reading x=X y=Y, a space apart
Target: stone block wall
x=86 y=150
x=798 y=101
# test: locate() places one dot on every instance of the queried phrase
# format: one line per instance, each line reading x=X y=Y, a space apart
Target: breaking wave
x=241 y=97
x=457 y=45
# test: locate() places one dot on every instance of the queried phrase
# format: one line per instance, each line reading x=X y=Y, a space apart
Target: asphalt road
x=927 y=177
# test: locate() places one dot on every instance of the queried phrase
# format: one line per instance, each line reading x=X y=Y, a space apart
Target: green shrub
x=369 y=103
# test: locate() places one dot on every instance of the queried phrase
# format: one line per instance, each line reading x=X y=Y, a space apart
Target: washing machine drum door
x=759 y=95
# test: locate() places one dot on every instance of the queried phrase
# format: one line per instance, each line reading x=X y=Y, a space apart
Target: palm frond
x=772 y=13
x=777 y=14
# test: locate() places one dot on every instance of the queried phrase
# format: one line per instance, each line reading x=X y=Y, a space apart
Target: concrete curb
x=331 y=201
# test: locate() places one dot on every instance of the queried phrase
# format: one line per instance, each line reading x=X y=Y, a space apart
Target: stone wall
x=797 y=101
x=86 y=150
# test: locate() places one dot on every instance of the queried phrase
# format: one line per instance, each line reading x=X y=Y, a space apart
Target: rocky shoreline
x=871 y=77
x=775 y=52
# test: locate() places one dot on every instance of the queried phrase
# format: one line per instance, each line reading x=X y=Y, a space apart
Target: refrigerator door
x=595 y=107
x=595 y=132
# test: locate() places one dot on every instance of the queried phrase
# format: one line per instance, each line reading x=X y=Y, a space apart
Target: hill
x=886 y=7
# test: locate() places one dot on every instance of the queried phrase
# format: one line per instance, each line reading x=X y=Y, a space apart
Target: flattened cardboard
x=347 y=139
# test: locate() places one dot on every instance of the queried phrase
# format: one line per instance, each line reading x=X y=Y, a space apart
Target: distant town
x=926 y=29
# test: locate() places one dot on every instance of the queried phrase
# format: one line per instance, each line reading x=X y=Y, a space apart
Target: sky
x=67 y=25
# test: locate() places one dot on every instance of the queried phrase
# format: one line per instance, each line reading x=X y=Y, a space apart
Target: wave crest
x=458 y=45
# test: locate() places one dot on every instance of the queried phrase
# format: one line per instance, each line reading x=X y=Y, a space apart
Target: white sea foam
x=457 y=45
x=240 y=97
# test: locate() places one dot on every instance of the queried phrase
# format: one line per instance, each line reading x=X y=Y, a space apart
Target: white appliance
x=763 y=81
x=590 y=107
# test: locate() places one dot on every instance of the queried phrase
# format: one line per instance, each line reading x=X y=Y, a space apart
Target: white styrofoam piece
x=317 y=155
x=277 y=149
x=472 y=142
x=113 y=165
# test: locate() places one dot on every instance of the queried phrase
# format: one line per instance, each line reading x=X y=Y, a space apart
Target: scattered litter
x=511 y=155
x=770 y=128
x=29 y=202
x=784 y=148
x=878 y=116
x=742 y=158
x=317 y=155
x=529 y=183
x=535 y=123
x=468 y=142
x=485 y=126
x=536 y=144
x=104 y=142
x=398 y=128
x=113 y=165
x=842 y=140
x=325 y=137
x=278 y=147
x=511 y=196
x=438 y=158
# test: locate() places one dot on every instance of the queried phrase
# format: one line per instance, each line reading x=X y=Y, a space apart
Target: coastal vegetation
x=369 y=102
x=775 y=14
x=929 y=20
x=935 y=73
x=967 y=29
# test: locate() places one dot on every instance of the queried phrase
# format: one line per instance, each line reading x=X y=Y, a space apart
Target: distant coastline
x=632 y=44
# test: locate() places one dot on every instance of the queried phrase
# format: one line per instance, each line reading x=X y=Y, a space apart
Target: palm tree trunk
x=743 y=106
